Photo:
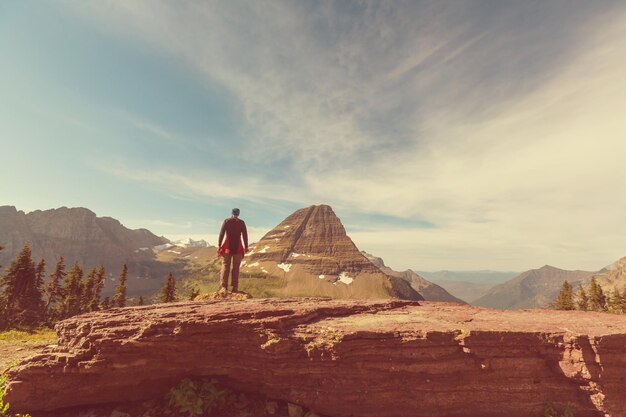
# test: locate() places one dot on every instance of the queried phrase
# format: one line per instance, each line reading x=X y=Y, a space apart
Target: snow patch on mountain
x=190 y=243
x=163 y=246
x=343 y=277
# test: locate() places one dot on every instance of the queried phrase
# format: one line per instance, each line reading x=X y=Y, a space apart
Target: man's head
x=236 y=212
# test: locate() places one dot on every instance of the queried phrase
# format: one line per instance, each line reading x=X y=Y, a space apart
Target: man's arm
x=222 y=232
x=245 y=236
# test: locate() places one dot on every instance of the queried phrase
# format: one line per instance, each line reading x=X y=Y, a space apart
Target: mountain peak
x=314 y=230
x=312 y=252
x=547 y=268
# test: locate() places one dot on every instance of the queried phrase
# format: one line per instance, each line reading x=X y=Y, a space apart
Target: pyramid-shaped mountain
x=311 y=251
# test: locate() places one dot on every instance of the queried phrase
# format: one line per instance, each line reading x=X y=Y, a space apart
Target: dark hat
x=235 y=212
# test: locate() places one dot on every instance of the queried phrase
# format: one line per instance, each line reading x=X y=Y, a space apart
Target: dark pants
x=227 y=261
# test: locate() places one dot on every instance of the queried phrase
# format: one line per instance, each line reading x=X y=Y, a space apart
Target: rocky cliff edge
x=338 y=357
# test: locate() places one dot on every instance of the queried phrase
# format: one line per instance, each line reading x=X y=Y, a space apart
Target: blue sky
x=446 y=135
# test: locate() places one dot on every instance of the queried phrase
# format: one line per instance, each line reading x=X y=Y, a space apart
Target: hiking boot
x=235 y=290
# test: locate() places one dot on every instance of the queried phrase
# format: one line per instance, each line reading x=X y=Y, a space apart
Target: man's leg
x=226 y=259
x=235 y=276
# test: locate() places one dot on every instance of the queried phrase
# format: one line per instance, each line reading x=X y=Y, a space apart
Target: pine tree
x=582 y=301
x=194 y=293
x=614 y=301
x=88 y=290
x=94 y=303
x=72 y=292
x=106 y=304
x=565 y=299
x=119 y=298
x=597 y=299
x=140 y=302
x=36 y=291
x=18 y=291
x=621 y=305
x=54 y=291
x=40 y=272
x=168 y=292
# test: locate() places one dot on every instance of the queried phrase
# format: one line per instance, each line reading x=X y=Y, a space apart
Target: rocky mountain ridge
x=80 y=236
x=613 y=276
x=429 y=290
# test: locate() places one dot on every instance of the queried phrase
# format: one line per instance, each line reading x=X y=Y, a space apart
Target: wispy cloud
x=208 y=183
x=166 y=223
x=499 y=123
x=152 y=128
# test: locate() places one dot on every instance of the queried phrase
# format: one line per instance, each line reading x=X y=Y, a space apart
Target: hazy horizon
x=446 y=136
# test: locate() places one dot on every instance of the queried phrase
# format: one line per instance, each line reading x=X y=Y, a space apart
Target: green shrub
x=197 y=398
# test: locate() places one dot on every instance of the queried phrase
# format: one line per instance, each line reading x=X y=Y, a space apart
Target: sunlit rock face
x=312 y=252
x=341 y=358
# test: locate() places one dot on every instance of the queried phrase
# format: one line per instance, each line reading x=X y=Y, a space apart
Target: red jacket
x=234 y=229
x=225 y=248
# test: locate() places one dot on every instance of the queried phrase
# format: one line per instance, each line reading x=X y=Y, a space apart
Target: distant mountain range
x=531 y=289
x=535 y=288
x=308 y=254
x=80 y=236
x=429 y=290
x=478 y=277
x=467 y=285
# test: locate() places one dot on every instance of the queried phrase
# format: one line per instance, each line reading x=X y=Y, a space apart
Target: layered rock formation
x=430 y=291
x=79 y=235
x=312 y=253
x=340 y=358
x=531 y=289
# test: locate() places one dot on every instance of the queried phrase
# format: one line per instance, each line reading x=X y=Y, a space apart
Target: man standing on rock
x=232 y=250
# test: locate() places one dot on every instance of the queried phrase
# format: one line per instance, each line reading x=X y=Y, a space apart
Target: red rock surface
x=340 y=358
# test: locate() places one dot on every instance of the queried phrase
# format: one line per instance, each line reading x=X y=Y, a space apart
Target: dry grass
x=16 y=345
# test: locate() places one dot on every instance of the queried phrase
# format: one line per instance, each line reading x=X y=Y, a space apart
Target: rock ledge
x=339 y=357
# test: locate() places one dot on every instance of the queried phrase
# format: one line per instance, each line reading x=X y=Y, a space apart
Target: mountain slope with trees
x=78 y=235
